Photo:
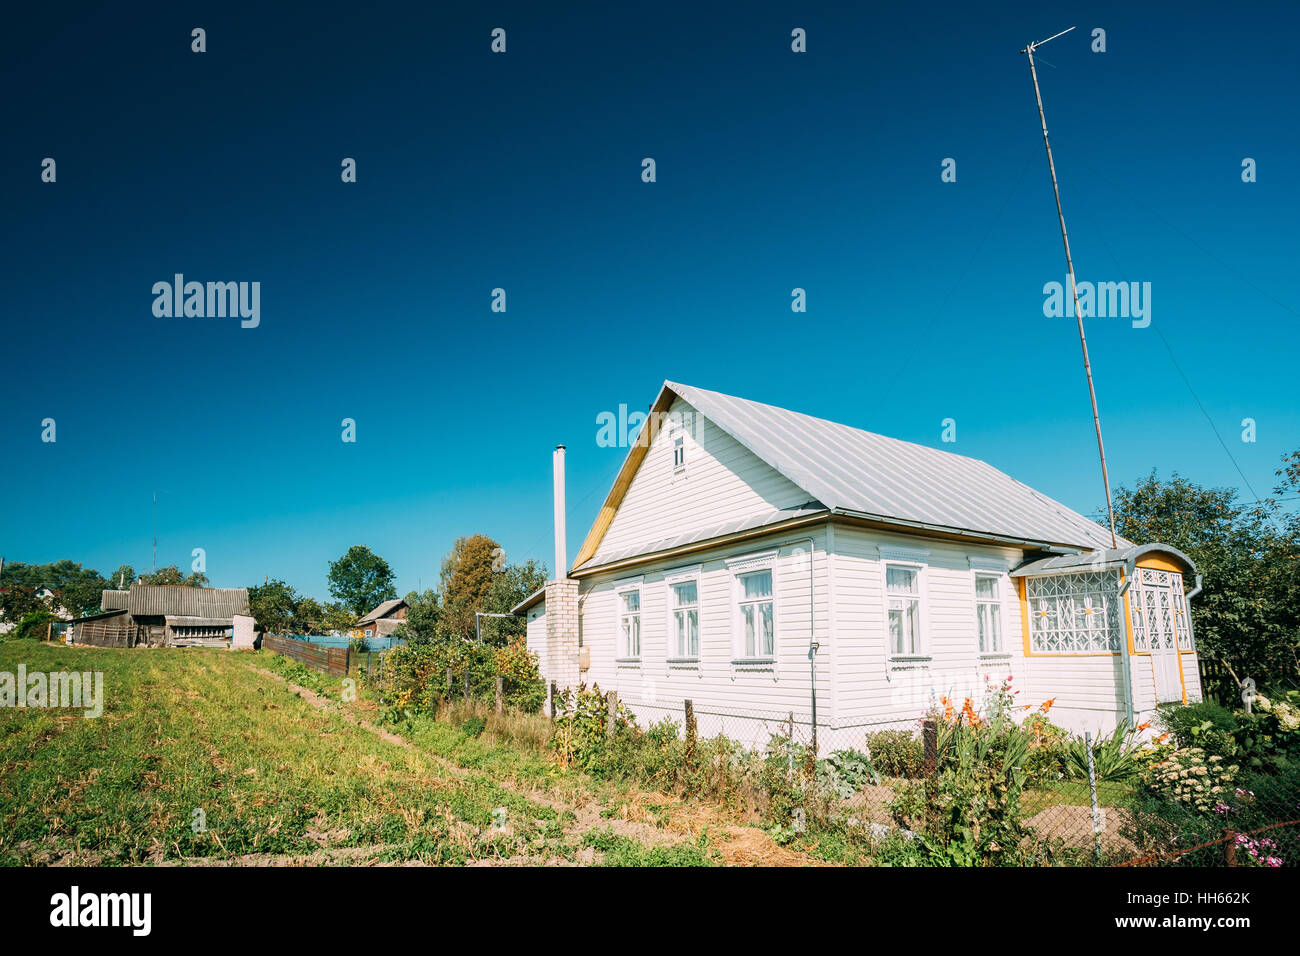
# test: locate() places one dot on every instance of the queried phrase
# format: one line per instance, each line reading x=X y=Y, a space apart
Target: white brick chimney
x=562 y=652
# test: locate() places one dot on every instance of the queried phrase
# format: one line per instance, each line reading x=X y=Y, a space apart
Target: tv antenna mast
x=1074 y=290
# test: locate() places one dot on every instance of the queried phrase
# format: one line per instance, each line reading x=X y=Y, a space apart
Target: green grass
x=199 y=729
x=620 y=850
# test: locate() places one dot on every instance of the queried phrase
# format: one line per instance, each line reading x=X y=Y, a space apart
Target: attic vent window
x=679 y=452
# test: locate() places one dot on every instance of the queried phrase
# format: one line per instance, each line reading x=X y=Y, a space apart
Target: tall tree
x=468 y=572
x=273 y=606
x=361 y=579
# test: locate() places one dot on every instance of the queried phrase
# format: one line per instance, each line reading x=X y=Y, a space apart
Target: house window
x=757 y=623
x=988 y=613
x=1075 y=613
x=629 y=623
x=686 y=619
x=679 y=452
x=903 y=587
x=369 y=632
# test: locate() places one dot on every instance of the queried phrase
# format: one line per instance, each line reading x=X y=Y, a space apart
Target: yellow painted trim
x=1159 y=563
x=1022 y=589
x=631 y=464
x=1128 y=616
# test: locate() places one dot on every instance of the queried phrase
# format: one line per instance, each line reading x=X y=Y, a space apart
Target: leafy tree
x=173 y=575
x=337 y=619
x=421 y=625
x=467 y=576
x=83 y=594
x=511 y=586
x=273 y=606
x=122 y=578
x=78 y=590
x=361 y=580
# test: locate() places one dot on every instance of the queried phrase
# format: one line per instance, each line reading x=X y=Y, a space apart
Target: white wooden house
x=759 y=562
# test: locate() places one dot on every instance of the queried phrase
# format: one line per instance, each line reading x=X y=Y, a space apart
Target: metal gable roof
x=860 y=472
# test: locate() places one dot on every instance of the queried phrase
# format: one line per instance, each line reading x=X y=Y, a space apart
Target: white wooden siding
x=870 y=688
x=717 y=686
x=723 y=481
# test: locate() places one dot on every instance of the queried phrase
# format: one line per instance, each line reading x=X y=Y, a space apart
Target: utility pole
x=155 y=531
x=1069 y=265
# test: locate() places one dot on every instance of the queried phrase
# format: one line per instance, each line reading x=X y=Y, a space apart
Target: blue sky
x=522 y=171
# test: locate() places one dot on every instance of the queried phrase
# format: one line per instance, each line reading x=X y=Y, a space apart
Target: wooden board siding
x=330 y=660
x=117 y=631
x=723 y=481
x=870 y=686
x=657 y=689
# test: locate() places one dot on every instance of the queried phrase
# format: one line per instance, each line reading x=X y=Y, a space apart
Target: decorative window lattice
x=1075 y=613
x=1159 y=607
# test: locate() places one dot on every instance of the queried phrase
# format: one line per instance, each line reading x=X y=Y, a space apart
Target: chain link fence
x=1198 y=794
x=1109 y=800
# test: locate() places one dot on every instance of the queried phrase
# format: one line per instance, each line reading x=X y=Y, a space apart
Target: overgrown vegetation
x=198 y=755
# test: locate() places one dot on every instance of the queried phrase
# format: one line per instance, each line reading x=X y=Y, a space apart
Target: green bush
x=414 y=676
x=1265 y=741
x=896 y=753
x=32 y=625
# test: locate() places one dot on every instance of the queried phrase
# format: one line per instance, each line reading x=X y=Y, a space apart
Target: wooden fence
x=1217 y=683
x=332 y=660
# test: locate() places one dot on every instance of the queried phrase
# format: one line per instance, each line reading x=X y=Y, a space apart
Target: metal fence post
x=611 y=701
x=466 y=674
x=1092 y=792
x=501 y=694
x=554 y=690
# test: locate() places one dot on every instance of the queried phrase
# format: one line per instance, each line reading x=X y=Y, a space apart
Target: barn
x=763 y=563
x=157 y=615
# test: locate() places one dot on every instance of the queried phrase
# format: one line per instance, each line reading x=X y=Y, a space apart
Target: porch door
x=1159 y=602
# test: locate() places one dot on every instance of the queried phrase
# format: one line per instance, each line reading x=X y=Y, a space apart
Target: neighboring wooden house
x=162 y=615
x=744 y=549
x=382 y=621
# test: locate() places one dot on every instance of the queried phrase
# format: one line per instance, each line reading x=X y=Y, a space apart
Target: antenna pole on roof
x=1074 y=291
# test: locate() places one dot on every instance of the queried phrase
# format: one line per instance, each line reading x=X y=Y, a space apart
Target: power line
x=1183 y=375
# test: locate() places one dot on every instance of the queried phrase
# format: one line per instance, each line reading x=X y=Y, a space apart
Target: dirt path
x=682 y=823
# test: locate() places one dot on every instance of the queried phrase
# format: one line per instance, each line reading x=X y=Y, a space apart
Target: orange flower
x=1142 y=727
x=947 y=708
x=968 y=711
x=1162 y=738
x=1047 y=705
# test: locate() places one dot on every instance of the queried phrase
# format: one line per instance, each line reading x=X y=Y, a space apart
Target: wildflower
x=1221 y=808
x=1142 y=727
x=1047 y=705
x=1273 y=861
